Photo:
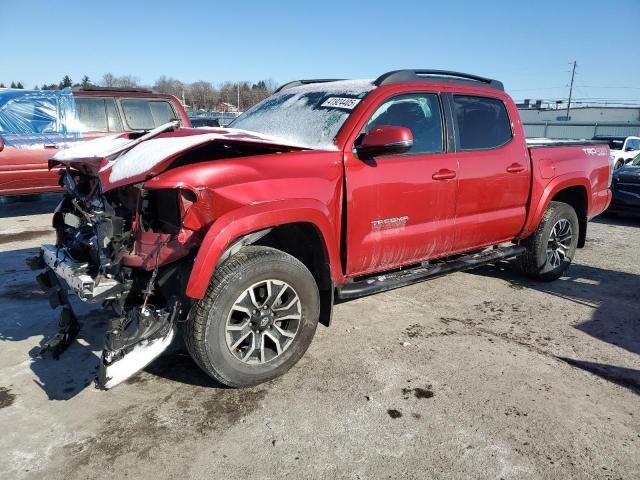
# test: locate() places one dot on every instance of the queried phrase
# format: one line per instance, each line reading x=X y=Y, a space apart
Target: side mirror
x=1 y=144
x=385 y=140
x=628 y=149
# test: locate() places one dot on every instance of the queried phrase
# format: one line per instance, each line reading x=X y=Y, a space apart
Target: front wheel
x=257 y=318
x=552 y=247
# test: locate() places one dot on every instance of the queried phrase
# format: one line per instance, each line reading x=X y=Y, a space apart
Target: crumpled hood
x=121 y=160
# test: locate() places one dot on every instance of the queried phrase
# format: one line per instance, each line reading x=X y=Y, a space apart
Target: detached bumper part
x=116 y=367
x=68 y=330
x=68 y=325
x=134 y=341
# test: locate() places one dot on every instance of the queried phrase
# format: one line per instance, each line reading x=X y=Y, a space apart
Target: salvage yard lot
x=472 y=375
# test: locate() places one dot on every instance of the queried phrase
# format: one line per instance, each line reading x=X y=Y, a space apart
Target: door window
x=483 y=123
x=420 y=113
x=98 y=115
x=146 y=114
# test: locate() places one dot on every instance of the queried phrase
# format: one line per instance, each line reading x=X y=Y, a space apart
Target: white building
x=583 y=122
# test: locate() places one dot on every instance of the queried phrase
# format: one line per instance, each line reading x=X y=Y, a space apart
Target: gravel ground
x=473 y=375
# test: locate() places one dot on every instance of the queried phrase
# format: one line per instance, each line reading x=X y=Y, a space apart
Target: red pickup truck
x=35 y=124
x=243 y=238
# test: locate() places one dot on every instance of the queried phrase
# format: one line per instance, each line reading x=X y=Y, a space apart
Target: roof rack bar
x=113 y=89
x=297 y=83
x=417 y=75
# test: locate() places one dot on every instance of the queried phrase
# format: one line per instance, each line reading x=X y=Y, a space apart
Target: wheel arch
x=576 y=196
x=304 y=231
x=571 y=189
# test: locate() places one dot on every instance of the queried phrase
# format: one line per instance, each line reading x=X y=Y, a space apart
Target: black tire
x=206 y=328
x=535 y=262
x=619 y=164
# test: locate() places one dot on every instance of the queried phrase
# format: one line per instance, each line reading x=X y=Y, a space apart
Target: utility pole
x=573 y=74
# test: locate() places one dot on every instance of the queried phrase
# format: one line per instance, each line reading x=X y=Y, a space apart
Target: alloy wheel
x=559 y=242
x=263 y=322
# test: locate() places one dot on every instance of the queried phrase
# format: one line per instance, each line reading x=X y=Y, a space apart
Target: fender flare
x=252 y=218
x=556 y=185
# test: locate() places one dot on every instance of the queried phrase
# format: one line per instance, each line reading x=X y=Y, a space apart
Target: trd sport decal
x=389 y=223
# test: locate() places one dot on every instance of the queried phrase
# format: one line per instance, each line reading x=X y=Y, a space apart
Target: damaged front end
x=124 y=249
x=128 y=242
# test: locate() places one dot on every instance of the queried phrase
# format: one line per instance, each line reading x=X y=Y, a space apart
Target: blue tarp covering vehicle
x=35 y=117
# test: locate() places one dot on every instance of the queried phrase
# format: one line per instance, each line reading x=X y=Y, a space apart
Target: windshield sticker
x=341 y=102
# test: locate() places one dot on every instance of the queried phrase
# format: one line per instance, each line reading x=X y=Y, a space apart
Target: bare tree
x=124 y=81
x=170 y=86
x=203 y=95
x=108 y=80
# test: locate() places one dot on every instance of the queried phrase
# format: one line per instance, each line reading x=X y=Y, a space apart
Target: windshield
x=309 y=116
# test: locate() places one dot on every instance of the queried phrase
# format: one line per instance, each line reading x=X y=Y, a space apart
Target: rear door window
x=483 y=123
x=98 y=115
x=141 y=114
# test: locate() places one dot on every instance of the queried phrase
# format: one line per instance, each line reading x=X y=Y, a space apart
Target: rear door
x=400 y=208
x=494 y=173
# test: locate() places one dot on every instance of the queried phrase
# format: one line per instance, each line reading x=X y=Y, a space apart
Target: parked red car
x=244 y=237
x=34 y=125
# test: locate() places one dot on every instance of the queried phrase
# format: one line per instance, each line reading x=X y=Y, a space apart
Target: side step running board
x=389 y=281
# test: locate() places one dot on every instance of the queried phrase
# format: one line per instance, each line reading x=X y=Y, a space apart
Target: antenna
x=573 y=74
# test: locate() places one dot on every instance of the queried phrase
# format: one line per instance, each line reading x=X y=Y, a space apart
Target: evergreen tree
x=85 y=82
x=66 y=82
x=13 y=85
x=19 y=85
x=2 y=85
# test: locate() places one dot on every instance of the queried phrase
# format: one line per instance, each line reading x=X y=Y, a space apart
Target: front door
x=400 y=208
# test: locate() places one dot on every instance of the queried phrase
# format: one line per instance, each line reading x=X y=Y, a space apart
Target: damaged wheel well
x=304 y=242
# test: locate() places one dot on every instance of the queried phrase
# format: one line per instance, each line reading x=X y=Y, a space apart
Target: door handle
x=50 y=145
x=444 y=174
x=515 y=168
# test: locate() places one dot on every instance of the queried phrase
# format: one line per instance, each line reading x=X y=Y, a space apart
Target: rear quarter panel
x=555 y=168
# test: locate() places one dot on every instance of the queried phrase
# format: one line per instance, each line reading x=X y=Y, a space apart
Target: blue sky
x=528 y=45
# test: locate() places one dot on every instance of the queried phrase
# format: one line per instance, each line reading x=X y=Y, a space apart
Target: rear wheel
x=552 y=247
x=257 y=318
x=618 y=164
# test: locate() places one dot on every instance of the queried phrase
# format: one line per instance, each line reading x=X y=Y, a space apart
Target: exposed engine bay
x=112 y=249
